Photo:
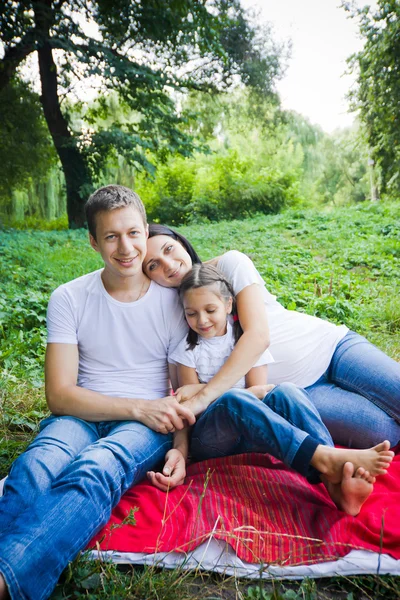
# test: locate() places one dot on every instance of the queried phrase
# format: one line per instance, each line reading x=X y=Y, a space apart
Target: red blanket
x=266 y=512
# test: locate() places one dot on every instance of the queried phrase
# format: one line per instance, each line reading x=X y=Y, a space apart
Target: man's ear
x=93 y=243
x=147 y=231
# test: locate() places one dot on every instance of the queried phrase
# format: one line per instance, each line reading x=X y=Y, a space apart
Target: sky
x=323 y=37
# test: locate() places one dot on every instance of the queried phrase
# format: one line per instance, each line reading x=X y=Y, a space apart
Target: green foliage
x=378 y=85
x=26 y=151
x=143 y=53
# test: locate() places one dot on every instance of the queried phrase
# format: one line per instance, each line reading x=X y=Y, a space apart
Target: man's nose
x=124 y=245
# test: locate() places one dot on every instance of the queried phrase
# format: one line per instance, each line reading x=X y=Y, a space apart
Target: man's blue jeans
x=358 y=397
x=61 y=491
x=285 y=424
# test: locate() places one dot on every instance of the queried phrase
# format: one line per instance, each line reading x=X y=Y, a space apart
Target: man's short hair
x=109 y=198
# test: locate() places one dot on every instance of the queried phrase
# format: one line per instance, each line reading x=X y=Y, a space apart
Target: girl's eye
x=190 y=314
x=211 y=310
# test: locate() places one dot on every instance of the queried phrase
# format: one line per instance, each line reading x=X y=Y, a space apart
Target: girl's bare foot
x=3 y=589
x=350 y=494
x=329 y=461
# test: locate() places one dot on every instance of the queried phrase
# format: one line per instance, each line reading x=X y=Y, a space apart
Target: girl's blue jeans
x=358 y=397
x=61 y=491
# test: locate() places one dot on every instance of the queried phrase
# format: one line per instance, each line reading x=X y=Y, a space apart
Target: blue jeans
x=61 y=491
x=285 y=424
x=358 y=397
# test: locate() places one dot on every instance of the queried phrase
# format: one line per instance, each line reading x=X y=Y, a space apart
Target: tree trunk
x=77 y=175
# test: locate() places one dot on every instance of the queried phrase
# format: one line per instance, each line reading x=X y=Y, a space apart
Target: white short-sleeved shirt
x=302 y=345
x=208 y=356
x=123 y=346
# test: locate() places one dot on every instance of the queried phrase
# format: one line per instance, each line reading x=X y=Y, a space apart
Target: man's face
x=121 y=241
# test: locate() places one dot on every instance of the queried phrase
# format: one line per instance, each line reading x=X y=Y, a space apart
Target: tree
x=26 y=151
x=378 y=86
x=143 y=51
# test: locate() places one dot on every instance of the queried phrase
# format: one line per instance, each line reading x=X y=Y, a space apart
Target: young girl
x=284 y=423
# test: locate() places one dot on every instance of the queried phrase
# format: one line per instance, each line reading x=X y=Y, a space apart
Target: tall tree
x=142 y=50
x=378 y=85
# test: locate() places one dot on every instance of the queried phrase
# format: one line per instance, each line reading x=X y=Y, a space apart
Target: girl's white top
x=302 y=345
x=208 y=356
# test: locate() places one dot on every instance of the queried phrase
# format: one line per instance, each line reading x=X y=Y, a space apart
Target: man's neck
x=125 y=289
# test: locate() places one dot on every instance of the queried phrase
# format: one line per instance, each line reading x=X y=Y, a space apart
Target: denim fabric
x=61 y=491
x=285 y=424
x=358 y=397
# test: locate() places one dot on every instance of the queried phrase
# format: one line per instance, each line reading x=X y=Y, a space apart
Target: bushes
x=215 y=187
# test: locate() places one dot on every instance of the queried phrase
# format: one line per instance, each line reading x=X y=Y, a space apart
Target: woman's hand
x=173 y=473
x=260 y=391
x=186 y=392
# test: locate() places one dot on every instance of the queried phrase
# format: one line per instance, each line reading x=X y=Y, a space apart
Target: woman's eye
x=152 y=266
x=168 y=248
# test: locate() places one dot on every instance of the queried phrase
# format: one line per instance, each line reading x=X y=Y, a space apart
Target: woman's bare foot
x=3 y=589
x=330 y=461
x=350 y=494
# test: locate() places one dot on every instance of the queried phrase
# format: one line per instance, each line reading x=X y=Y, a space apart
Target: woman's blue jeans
x=61 y=491
x=358 y=397
x=285 y=424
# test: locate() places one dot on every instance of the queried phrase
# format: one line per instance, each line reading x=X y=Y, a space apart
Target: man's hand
x=166 y=415
x=186 y=392
x=260 y=391
x=173 y=474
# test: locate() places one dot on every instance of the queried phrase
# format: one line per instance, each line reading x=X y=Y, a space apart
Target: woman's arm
x=250 y=346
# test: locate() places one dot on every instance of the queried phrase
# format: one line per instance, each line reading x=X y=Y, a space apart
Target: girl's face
x=206 y=311
x=166 y=261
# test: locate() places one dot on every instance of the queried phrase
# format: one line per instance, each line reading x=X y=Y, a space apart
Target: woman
x=355 y=386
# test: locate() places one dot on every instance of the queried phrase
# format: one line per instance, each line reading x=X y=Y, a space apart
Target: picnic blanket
x=267 y=513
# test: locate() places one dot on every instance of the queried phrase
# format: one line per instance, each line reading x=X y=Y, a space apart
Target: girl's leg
x=360 y=367
x=237 y=422
x=46 y=536
x=60 y=440
x=353 y=420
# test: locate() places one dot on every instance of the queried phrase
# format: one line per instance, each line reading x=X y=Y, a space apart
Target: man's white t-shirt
x=123 y=346
x=302 y=345
x=208 y=356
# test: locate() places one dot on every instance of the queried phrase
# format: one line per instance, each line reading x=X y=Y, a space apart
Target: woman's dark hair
x=204 y=276
x=156 y=229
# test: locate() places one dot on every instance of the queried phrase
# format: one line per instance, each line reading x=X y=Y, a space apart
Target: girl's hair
x=204 y=276
x=156 y=229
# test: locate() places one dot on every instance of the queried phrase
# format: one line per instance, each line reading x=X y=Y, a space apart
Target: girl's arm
x=256 y=381
x=174 y=470
x=250 y=346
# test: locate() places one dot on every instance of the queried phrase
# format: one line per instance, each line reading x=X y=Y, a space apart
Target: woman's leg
x=352 y=420
x=58 y=443
x=360 y=367
x=61 y=522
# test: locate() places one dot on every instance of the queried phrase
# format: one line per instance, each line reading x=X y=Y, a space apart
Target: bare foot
x=350 y=494
x=4 y=595
x=329 y=461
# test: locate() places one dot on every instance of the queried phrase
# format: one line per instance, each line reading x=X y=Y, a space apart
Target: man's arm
x=65 y=397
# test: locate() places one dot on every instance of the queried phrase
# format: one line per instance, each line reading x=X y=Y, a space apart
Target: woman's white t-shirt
x=208 y=356
x=302 y=346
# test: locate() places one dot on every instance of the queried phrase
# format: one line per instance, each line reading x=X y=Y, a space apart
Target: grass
x=342 y=265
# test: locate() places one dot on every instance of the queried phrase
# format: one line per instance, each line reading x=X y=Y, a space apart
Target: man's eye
x=110 y=237
x=134 y=232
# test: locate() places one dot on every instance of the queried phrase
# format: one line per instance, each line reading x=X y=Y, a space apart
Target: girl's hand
x=186 y=392
x=173 y=473
x=260 y=391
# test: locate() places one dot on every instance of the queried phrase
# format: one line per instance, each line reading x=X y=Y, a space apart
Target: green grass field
x=342 y=265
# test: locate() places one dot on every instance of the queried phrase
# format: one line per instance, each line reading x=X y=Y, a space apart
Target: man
x=107 y=382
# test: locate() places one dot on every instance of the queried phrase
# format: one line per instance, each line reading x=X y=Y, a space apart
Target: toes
x=382 y=446
x=360 y=473
x=348 y=470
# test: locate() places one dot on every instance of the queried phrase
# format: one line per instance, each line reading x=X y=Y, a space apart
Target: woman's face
x=166 y=261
